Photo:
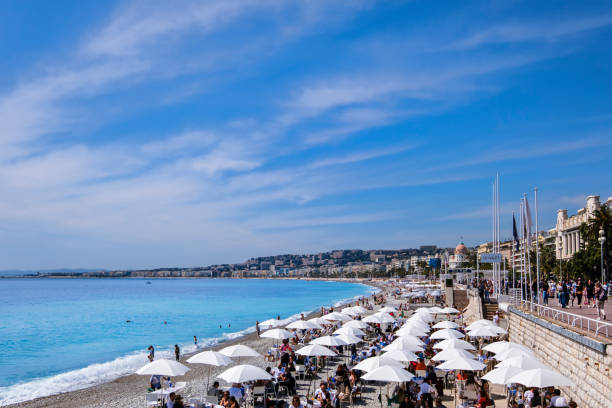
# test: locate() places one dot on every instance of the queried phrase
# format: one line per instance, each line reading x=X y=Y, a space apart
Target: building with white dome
x=459 y=258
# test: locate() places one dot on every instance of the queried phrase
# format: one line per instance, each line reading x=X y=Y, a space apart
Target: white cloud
x=532 y=31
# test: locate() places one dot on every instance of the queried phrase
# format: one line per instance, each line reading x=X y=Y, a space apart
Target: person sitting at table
x=178 y=402
x=484 y=400
x=470 y=388
x=225 y=399
x=430 y=374
x=155 y=382
x=296 y=403
x=287 y=380
x=214 y=391
x=420 y=365
x=170 y=401
x=235 y=391
x=233 y=403
x=320 y=393
x=406 y=402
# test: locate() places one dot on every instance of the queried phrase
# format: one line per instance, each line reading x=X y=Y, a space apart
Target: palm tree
x=589 y=254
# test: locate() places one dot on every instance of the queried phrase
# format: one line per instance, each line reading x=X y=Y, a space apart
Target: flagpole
x=522 y=253
x=528 y=248
x=513 y=244
x=537 y=245
x=499 y=278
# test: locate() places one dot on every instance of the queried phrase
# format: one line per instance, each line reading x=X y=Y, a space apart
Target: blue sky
x=144 y=134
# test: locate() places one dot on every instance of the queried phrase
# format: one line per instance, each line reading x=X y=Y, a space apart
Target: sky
x=146 y=134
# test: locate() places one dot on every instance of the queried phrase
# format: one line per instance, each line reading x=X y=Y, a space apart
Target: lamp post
x=602 y=241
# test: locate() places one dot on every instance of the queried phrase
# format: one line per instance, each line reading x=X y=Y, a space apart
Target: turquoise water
x=64 y=334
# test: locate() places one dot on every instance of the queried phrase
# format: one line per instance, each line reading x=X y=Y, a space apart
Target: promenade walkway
x=580 y=319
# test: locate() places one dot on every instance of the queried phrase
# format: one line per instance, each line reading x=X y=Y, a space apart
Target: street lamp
x=602 y=241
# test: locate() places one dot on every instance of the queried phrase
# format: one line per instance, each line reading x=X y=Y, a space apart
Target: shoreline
x=131 y=387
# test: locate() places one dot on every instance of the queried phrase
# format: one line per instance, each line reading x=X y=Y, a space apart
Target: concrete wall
x=587 y=362
x=474 y=310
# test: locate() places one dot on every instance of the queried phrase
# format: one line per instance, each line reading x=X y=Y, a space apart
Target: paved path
x=588 y=312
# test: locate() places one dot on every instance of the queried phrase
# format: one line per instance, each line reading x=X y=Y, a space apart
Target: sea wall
x=474 y=310
x=585 y=361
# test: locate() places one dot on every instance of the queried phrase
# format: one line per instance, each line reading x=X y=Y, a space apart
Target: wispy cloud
x=532 y=31
x=360 y=156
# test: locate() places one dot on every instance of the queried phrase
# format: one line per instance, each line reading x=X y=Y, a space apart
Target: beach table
x=163 y=393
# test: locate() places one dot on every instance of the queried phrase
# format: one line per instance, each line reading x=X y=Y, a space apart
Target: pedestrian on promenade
x=545 y=292
x=601 y=295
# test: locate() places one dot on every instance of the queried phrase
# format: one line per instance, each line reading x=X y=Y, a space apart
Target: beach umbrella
x=210 y=358
x=445 y=325
x=360 y=309
x=422 y=316
x=501 y=375
x=277 y=334
x=385 y=317
x=388 y=373
x=411 y=331
x=444 y=334
x=401 y=355
x=434 y=310
x=315 y=350
x=540 y=378
x=461 y=363
x=454 y=343
x=407 y=339
x=373 y=319
x=317 y=322
x=388 y=309
x=358 y=324
x=418 y=324
x=449 y=310
x=513 y=352
x=335 y=317
x=239 y=350
x=480 y=323
x=168 y=368
x=243 y=373
x=329 y=341
x=301 y=325
x=483 y=332
x=270 y=323
x=349 y=311
x=524 y=362
x=500 y=346
x=403 y=346
x=373 y=363
x=451 y=354
x=435 y=293
x=353 y=331
x=349 y=338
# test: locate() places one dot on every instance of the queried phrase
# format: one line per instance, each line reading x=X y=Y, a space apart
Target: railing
x=585 y=323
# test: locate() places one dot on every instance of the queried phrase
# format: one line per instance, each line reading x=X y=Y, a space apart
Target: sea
x=59 y=335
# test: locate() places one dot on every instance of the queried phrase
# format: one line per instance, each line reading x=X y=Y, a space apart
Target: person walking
x=151 y=355
x=579 y=292
x=590 y=290
x=545 y=292
x=177 y=352
x=601 y=295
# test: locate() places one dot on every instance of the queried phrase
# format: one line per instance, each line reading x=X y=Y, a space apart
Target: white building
x=459 y=258
x=568 y=228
